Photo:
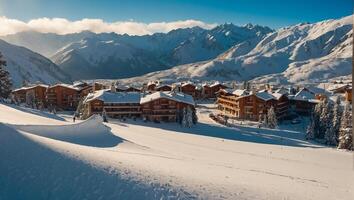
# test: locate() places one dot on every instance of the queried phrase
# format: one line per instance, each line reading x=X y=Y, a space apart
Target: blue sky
x=274 y=13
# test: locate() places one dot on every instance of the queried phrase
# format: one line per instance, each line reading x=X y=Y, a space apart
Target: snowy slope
x=300 y=53
x=163 y=161
x=126 y=56
x=25 y=65
x=45 y=44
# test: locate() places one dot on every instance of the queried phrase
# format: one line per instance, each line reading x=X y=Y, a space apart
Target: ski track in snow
x=45 y=157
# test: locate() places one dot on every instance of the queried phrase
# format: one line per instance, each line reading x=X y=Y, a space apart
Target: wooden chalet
x=63 y=97
x=115 y=104
x=19 y=95
x=339 y=88
x=31 y=94
x=163 y=88
x=243 y=104
x=207 y=92
x=189 y=88
x=165 y=106
x=303 y=101
x=83 y=88
x=215 y=87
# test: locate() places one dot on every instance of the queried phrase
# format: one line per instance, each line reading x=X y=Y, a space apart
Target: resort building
x=63 y=97
x=248 y=105
x=115 y=104
x=165 y=106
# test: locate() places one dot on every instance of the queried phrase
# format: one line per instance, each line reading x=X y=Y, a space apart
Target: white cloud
x=64 y=26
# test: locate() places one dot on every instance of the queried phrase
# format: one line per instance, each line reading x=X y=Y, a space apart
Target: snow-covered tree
x=310 y=131
x=333 y=132
x=272 y=118
x=189 y=117
x=5 y=80
x=195 y=117
x=326 y=121
x=80 y=110
x=184 y=118
x=265 y=120
x=345 y=132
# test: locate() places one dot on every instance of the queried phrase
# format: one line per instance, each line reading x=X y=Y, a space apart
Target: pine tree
x=272 y=118
x=184 y=119
x=195 y=117
x=80 y=110
x=5 y=80
x=325 y=121
x=189 y=117
x=310 y=132
x=333 y=133
x=345 y=132
x=316 y=119
x=265 y=120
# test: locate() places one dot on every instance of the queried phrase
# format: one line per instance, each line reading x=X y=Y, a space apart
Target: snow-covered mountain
x=25 y=65
x=300 y=53
x=109 y=55
x=46 y=44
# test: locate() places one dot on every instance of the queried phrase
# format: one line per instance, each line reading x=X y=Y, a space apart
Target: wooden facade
x=207 y=92
x=19 y=95
x=162 y=109
x=114 y=110
x=251 y=107
x=33 y=94
x=62 y=97
x=189 y=88
x=215 y=88
x=39 y=94
x=158 y=106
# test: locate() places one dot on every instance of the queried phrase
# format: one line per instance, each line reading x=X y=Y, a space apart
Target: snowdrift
x=91 y=132
x=30 y=170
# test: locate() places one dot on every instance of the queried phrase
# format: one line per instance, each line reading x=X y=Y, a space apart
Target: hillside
x=25 y=65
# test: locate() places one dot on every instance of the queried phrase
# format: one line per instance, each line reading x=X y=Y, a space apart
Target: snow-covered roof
x=334 y=87
x=114 y=97
x=30 y=87
x=215 y=84
x=187 y=83
x=226 y=90
x=121 y=87
x=282 y=90
x=175 y=96
x=162 y=85
x=151 y=83
x=239 y=92
x=265 y=96
x=316 y=90
x=277 y=95
x=65 y=85
x=304 y=95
